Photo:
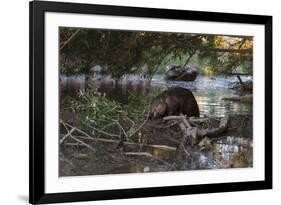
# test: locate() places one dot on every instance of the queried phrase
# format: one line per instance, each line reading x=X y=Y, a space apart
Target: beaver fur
x=173 y=102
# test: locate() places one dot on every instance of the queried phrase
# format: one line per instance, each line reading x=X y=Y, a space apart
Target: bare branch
x=69 y=39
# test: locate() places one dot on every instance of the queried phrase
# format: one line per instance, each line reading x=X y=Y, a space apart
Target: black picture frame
x=37 y=9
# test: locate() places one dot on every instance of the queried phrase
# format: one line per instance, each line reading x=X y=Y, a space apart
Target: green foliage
x=226 y=63
x=94 y=106
x=126 y=52
x=98 y=109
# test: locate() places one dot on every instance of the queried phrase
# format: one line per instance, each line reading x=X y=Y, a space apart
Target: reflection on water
x=233 y=152
x=208 y=91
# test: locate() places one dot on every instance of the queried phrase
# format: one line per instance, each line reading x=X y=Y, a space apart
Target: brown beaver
x=173 y=102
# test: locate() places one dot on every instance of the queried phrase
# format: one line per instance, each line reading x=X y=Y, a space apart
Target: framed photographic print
x=140 y=102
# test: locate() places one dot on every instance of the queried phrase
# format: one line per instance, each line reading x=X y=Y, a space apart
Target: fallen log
x=215 y=131
x=193 y=132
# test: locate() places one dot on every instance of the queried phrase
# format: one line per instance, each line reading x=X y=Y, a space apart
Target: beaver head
x=158 y=108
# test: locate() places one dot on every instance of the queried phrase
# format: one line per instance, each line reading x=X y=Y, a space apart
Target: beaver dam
x=110 y=128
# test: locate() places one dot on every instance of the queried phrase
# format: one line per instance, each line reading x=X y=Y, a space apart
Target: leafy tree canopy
x=126 y=52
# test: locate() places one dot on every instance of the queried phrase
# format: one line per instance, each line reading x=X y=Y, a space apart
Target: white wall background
x=14 y=100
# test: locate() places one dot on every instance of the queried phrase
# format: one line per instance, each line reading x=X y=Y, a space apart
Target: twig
x=71 y=144
x=67 y=135
x=103 y=132
x=132 y=126
x=199 y=120
x=172 y=117
x=184 y=149
x=82 y=132
x=108 y=125
x=138 y=154
x=186 y=123
x=133 y=123
x=69 y=39
x=163 y=147
x=122 y=129
x=138 y=128
x=74 y=138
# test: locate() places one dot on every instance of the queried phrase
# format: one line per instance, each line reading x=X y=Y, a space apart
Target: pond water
x=208 y=91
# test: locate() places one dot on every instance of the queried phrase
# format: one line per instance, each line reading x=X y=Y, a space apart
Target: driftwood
x=192 y=133
x=215 y=131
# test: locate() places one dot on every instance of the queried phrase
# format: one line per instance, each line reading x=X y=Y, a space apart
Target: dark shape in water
x=181 y=73
x=173 y=102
